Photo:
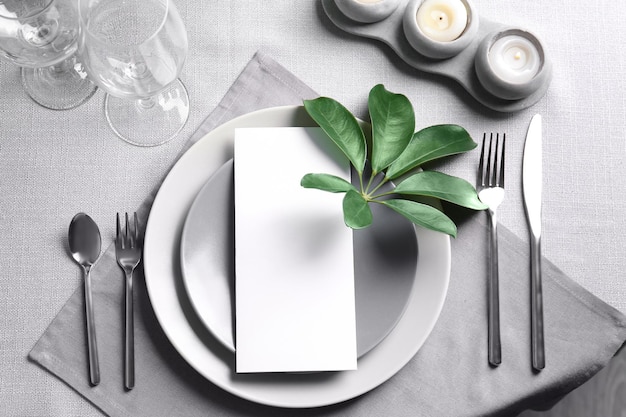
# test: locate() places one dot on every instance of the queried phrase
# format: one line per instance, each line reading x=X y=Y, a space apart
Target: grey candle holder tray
x=463 y=66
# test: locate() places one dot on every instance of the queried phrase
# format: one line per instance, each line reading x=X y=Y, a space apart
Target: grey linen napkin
x=449 y=376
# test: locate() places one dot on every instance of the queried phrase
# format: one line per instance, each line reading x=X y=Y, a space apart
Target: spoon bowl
x=84 y=240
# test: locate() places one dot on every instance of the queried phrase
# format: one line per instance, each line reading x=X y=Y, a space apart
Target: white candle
x=514 y=59
x=442 y=20
x=512 y=64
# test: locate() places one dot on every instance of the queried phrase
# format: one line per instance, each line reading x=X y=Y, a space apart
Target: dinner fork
x=491 y=193
x=128 y=254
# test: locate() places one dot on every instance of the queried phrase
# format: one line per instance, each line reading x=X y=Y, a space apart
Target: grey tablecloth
x=448 y=377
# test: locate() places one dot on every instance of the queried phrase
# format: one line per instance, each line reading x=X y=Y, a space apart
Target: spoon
x=84 y=241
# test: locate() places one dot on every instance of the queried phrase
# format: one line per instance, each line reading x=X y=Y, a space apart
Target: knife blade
x=532 y=189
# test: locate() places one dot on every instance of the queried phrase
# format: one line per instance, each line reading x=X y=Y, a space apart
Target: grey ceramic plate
x=385 y=257
x=206 y=354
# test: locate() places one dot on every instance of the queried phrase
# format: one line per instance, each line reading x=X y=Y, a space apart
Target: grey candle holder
x=433 y=49
x=367 y=12
x=464 y=60
x=496 y=85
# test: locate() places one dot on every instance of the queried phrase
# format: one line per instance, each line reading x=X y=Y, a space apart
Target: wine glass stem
x=63 y=66
x=146 y=103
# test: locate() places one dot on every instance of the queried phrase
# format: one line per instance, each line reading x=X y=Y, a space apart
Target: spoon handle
x=94 y=366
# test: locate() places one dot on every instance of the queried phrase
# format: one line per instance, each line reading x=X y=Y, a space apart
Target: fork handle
x=92 y=346
x=495 y=347
x=129 y=340
x=536 y=305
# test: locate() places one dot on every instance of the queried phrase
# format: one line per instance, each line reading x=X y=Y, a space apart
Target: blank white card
x=294 y=273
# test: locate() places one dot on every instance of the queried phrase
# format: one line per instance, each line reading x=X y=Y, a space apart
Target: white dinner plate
x=385 y=260
x=206 y=354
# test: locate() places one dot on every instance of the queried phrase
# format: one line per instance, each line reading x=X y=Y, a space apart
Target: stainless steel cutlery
x=532 y=187
x=490 y=187
x=128 y=254
x=85 y=244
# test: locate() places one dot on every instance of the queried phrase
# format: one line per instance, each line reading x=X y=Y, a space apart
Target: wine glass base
x=149 y=122
x=57 y=89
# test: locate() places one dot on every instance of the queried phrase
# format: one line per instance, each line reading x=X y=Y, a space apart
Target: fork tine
x=127 y=234
x=490 y=172
x=496 y=159
x=118 y=238
x=481 y=164
x=136 y=228
x=501 y=180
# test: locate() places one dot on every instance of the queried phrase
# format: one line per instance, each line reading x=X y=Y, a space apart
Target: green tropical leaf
x=431 y=143
x=445 y=187
x=356 y=210
x=326 y=182
x=423 y=215
x=393 y=124
x=342 y=128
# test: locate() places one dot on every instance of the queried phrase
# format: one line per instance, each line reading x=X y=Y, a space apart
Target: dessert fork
x=491 y=192
x=128 y=254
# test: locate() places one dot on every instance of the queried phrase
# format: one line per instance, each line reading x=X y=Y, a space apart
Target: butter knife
x=531 y=185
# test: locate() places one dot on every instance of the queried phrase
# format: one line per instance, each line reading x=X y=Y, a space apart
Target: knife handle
x=536 y=304
x=495 y=347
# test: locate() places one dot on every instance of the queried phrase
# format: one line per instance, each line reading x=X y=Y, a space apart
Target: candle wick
x=518 y=55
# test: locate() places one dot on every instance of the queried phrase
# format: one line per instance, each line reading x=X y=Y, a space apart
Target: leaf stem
x=374 y=197
x=380 y=184
x=360 y=179
x=369 y=183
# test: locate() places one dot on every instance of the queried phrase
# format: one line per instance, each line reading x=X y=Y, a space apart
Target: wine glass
x=41 y=36
x=135 y=50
